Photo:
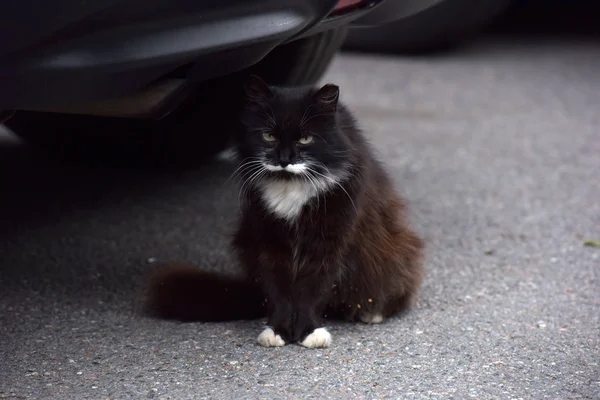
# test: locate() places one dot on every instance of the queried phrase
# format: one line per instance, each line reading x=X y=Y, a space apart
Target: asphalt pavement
x=496 y=148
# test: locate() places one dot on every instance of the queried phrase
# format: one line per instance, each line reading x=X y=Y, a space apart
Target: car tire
x=306 y=60
x=438 y=28
x=197 y=129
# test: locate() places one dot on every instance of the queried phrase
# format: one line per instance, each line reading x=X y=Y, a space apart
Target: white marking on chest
x=287 y=198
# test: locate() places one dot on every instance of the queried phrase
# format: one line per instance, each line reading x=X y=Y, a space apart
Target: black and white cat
x=322 y=233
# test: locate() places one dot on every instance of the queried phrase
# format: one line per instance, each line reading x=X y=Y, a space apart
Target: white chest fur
x=286 y=198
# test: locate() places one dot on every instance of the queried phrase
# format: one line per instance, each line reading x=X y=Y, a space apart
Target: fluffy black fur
x=323 y=232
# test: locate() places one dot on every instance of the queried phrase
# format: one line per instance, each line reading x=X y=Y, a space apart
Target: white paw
x=268 y=338
x=371 y=318
x=319 y=338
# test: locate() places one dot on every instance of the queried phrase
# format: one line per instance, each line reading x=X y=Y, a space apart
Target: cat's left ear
x=257 y=89
x=327 y=97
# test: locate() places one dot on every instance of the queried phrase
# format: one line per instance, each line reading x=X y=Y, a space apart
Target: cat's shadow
x=78 y=232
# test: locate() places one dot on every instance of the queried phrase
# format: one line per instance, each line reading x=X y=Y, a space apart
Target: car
x=445 y=25
x=432 y=28
x=160 y=80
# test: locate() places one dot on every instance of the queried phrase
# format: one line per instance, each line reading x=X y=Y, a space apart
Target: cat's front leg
x=319 y=338
x=280 y=322
x=280 y=319
x=295 y=306
x=269 y=338
x=308 y=305
x=295 y=314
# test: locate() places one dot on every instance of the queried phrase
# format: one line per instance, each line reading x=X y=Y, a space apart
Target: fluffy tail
x=184 y=292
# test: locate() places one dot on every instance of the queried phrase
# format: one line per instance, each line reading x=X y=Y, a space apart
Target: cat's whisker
x=313 y=117
x=341 y=152
x=245 y=161
x=313 y=133
x=270 y=118
x=249 y=176
x=242 y=167
x=246 y=173
x=242 y=189
x=311 y=180
x=257 y=177
x=249 y=170
x=253 y=174
x=305 y=114
x=332 y=180
x=252 y=160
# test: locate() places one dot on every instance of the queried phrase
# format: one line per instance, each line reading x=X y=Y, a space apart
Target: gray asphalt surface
x=497 y=149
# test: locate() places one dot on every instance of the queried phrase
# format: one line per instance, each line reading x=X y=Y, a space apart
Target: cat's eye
x=305 y=139
x=268 y=137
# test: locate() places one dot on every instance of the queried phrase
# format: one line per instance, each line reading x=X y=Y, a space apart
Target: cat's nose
x=285 y=158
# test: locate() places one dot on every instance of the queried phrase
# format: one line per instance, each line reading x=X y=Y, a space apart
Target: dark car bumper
x=69 y=51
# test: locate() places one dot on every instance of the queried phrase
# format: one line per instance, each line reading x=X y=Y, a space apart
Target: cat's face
x=292 y=133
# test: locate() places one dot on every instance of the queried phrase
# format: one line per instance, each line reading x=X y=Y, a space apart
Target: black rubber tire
x=194 y=132
x=306 y=60
x=443 y=26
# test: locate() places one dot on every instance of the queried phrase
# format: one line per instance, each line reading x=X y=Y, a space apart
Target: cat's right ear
x=327 y=97
x=257 y=89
